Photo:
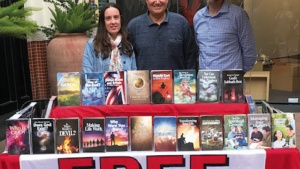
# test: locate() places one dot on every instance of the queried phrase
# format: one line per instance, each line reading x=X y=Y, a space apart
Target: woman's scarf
x=115 y=58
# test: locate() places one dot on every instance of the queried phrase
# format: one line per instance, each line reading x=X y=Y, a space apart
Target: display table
x=150 y=110
x=241 y=159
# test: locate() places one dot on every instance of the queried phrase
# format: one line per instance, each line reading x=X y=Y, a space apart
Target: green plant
x=70 y=16
x=13 y=20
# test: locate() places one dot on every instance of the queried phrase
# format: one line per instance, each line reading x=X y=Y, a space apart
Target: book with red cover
x=162 y=86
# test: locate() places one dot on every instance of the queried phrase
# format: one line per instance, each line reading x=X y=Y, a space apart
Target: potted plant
x=71 y=20
x=13 y=20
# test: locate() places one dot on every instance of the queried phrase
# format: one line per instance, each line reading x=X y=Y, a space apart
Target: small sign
x=293 y=100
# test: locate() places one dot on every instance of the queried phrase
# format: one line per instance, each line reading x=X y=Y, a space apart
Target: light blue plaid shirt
x=226 y=40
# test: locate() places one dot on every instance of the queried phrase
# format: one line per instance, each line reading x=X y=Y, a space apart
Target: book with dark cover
x=18 y=136
x=115 y=87
x=92 y=89
x=67 y=135
x=188 y=133
x=233 y=86
x=161 y=86
x=138 y=87
x=211 y=131
x=68 y=88
x=184 y=86
x=93 y=134
x=208 y=83
x=259 y=131
x=42 y=136
x=116 y=133
x=141 y=133
x=165 y=133
x=235 y=132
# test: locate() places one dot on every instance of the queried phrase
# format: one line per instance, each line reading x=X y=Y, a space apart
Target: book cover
x=138 y=87
x=208 y=82
x=251 y=104
x=291 y=129
x=93 y=134
x=188 y=133
x=68 y=88
x=161 y=86
x=233 y=86
x=259 y=127
x=235 y=132
x=17 y=136
x=115 y=88
x=283 y=131
x=67 y=135
x=92 y=89
x=141 y=133
x=211 y=131
x=42 y=136
x=184 y=86
x=116 y=134
x=165 y=133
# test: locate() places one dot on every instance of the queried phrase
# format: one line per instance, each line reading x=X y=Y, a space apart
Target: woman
x=110 y=50
x=279 y=140
x=241 y=136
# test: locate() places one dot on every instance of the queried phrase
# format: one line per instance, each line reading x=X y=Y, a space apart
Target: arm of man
x=190 y=48
x=247 y=42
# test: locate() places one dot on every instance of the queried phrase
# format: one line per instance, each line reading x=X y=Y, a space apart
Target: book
x=165 y=133
x=67 y=135
x=93 y=134
x=42 y=136
x=233 y=86
x=235 y=132
x=68 y=88
x=161 y=86
x=92 y=89
x=251 y=104
x=208 y=83
x=283 y=132
x=115 y=87
x=259 y=131
x=141 y=133
x=18 y=136
x=138 y=86
x=184 y=86
x=52 y=103
x=116 y=133
x=291 y=130
x=188 y=133
x=26 y=112
x=211 y=131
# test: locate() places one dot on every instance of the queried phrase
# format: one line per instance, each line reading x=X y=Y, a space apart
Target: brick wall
x=37 y=51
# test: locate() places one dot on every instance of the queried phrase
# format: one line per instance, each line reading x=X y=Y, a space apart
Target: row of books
x=156 y=87
x=147 y=133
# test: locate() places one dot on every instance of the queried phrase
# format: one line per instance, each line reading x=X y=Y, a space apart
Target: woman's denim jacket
x=91 y=63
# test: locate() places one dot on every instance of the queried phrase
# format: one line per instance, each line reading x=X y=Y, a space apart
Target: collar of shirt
x=224 y=9
x=150 y=22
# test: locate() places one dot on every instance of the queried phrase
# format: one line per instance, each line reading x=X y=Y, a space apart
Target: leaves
x=71 y=16
x=13 y=20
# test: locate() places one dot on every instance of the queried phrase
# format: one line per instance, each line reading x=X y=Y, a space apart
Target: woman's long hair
x=102 y=41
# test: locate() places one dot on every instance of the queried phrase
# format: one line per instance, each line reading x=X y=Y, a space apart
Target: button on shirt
x=226 y=40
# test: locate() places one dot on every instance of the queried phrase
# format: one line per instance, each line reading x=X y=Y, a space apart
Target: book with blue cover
x=92 y=89
x=165 y=133
x=116 y=133
x=185 y=86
